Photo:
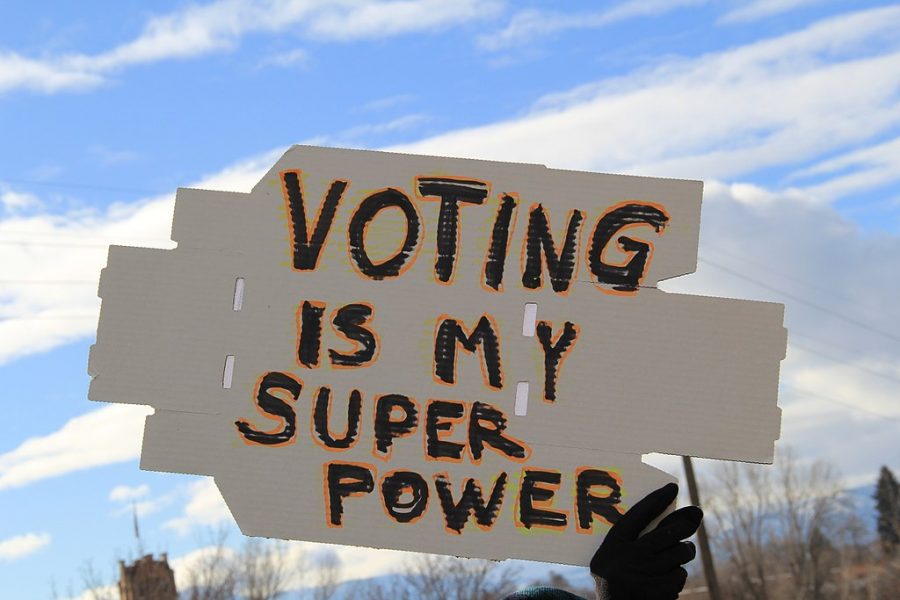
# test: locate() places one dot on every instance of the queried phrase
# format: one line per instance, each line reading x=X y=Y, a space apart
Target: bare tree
x=262 y=569
x=740 y=508
x=327 y=577
x=811 y=519
x=431 y=576
x=783 y=529
x=391 y=588
x=213 y=575
x=95 y=588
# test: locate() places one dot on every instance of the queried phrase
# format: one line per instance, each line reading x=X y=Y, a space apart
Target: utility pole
x=709 y=570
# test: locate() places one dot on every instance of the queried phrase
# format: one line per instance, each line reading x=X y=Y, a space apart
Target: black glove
x=648 y=567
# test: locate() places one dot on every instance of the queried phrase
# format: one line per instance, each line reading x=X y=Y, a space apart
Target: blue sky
x=789 y=110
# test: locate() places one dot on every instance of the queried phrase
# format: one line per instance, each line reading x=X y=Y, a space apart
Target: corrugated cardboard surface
x=649 y=372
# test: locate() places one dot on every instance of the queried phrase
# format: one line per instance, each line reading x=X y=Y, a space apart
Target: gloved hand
x=648 y=567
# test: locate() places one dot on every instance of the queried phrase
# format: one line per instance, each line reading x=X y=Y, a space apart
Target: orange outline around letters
x=298 y=320
x=479 y=350
x=413 y=255
x=327 y=496
x=390 y=451
x=522 y=443
x=259 y=409
x=612 y=473
x=541 y=504
x=524 y=252
x=509 y=237
x=455 y=422
x=312 y=420
x=469 y=515
x=650 y=244
x=356 y=345
x=384 y=504
x=290 y=221
x=563 y=357
x=419 y=196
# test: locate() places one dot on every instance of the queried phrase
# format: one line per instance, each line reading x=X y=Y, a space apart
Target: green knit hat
x=543 y=593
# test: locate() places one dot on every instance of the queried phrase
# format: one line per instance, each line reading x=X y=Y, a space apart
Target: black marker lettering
x=532 y=491
x=451 y=192
x=587 y=505
x=623 y=278
x=392 y=488
x=496 y=257
x=554 y=353
x=450 y=332
x=561 y=265
x=307 y=249
x=349 y=320
x=356 y=233
x=434 y=445
x=321 y=414
x=275 y=406
x=457 y=514
x=310 y=334
x=344 y=480
x=387 y=429
x=492 y=435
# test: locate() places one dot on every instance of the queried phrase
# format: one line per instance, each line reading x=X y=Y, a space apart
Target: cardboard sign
x=433 y=354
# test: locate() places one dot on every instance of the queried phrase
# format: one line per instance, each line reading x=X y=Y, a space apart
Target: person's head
x=543 y=593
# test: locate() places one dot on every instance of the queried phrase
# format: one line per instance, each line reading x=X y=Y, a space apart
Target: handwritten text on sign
x=450 y=430
x=381 y=384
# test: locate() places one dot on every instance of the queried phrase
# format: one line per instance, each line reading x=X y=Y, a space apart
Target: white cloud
x=37 y=314
x=109 y=157
x=14 y=201
x=291 y=58
x=778 y=102
x=19 y=72
x=125 y=493
x=351 y=136
x=219 y=25
x=37 y=318
x=854 y=171
x=374 y=20
x=762 y=9
x=196 y=560
x=100 y=437
x=528 y=24
x=21 y=546
x=388 y=102
x=204 y=508
x=49 y=294
x=102 y=591
x=301 y=559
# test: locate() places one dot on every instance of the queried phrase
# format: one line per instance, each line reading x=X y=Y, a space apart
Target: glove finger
x=666 y=587
x=679 y=525
x=670 y=558
x=639 y=516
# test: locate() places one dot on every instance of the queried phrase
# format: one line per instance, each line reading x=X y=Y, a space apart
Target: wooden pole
x=709 y=570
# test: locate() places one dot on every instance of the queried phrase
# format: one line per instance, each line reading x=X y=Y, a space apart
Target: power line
x=53 y=244
x=25 y=243
x=843 y=362
x=43 y=317
x=46 y=282
x=84 y=186
x=810 y=393
x=72 y=234
x=819 y=307
x=769 y=269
